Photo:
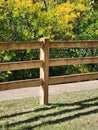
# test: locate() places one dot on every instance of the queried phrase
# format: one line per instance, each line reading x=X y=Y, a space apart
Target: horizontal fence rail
x=71 y=61
x=20 y=45
x=20 y=65
x=53 y=62
x=20 y=84
x=73 y=44
x=73 y=78
x=44 y=63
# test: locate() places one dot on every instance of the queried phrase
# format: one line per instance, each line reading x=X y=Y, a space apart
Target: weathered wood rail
x=44 y=63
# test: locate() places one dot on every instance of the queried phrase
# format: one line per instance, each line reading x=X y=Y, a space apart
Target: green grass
x=67 y=111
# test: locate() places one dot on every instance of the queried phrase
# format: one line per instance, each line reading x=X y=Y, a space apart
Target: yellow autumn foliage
x=67 y=14
x=20 y=4
x=69 y=11
x=56 y=19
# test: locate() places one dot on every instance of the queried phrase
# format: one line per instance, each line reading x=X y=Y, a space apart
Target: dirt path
x=53 y=89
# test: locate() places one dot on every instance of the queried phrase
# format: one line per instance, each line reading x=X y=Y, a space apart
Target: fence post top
x=44 y=39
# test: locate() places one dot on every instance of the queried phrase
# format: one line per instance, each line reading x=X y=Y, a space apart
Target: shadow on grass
x=79 y=107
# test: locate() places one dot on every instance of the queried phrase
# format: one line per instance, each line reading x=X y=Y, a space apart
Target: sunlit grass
x=67 y=111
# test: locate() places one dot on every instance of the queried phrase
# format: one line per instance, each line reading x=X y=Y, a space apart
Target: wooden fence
x=44 y=63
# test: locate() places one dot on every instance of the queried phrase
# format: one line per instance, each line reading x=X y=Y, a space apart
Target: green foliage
x=93 y=5
x=22 y=21
x=86 y=27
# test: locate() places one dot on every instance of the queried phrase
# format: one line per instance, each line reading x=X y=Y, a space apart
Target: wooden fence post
x=44 y=71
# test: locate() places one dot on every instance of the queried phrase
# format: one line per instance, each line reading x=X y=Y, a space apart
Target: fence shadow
x=77 y=107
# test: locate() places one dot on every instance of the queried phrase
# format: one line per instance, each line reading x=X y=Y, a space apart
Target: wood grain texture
x=44 y=71
x=72 y=78
x=20 y=45
x=20 y=84
x=20 y=65
x=73 y=44
x=71 y=61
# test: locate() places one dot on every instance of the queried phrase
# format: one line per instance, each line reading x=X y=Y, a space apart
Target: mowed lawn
x=67 y=111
